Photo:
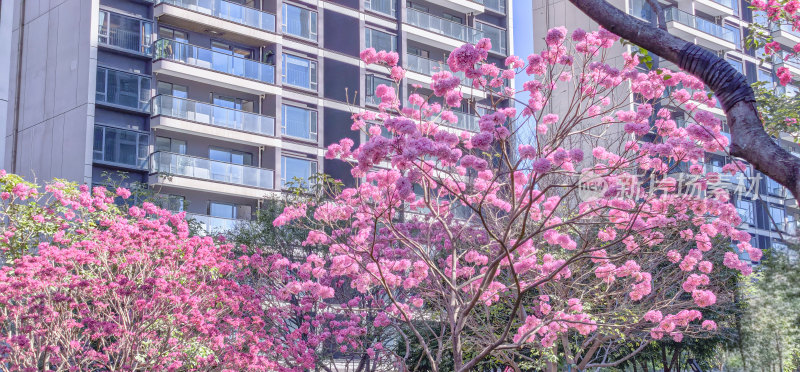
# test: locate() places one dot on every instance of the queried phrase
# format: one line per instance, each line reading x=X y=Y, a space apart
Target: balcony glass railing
x=429 y=67
x=496 y=35
x=711 y=28
x=124 y=32
x=228 y=11
x=496 y=5
x=214 y=225
x=387 y=7
x=784 y=28
x=442 y=26
x=213 y=60
x=725 y=3
x=787 y=59
x=466 y=121
x=122 y=89
x=189 y=166
x=206 y=113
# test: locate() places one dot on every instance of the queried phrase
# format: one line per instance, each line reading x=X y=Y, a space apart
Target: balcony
x=460 y=6
x=191 y=172
x=466 y=121
x=420 y=69
x=498 y=6
x=184 y=115
x=194 y=63
x=496 y=35
x=384 y=7
x=120 y=147
x=785 y=35
x=124 y=33
x=429 y=29
x=122 y=90
x=238 y=22
x=716 y=8
x=784 y=59
x=214 y=225
x=703 y=32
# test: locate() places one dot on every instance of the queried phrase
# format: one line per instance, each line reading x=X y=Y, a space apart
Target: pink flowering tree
x=88 y=286
x=603 y=245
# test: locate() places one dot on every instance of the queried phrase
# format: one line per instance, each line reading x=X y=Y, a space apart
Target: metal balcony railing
x=711 y=28
x=443 y=26
x=173 y=164
x=229 y=11
x=206 y=58
x=218 y=116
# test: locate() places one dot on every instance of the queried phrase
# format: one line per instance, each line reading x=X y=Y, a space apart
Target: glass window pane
x=296 y=122
x=295 y=169
x=221 y=210
x=380 y=40
x=219 y=155
x=163 y=144
x=297 y=71
x=178 y=146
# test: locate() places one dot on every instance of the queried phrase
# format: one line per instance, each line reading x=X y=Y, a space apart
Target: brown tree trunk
x=749 y=141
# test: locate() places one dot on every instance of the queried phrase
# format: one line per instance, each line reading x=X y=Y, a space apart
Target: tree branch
x=749 y=141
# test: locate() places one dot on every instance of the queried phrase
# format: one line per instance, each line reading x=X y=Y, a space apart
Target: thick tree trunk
x=749 y=141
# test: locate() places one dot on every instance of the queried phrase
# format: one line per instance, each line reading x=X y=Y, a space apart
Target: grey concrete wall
x=6 y=20
x=56 y=105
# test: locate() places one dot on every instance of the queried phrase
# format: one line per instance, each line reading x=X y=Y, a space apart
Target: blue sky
x=523 y=47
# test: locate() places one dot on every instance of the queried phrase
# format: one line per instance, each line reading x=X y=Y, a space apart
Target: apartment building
x=768 y=210
x=216 y=103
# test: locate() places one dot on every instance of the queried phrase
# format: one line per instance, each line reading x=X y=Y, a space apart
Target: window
x=299 y=22
x=120 y=146
x=372 y=83
x=414 y=51
x=172 y=34
x=299 y=122
x=380 y=40
x=170 y=89
x=765 y=76
x=773 y=188
x=417 y=6
x=495 y=34
x=122 y=89
x=737 y=35
x=125 y=32
x=381 y=6
x=745 y=209
x=167 y=144
x=174 y=203
x=776 y=217
x=452 y=18
x=736 y=64
x=230 y=156
x=299 y=72
x=222 y=210
x=296 y=169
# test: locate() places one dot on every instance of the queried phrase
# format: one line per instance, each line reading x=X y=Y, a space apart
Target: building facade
x=768 y=210
x=215 y=103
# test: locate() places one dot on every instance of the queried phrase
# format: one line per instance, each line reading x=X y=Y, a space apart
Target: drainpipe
x=17 y=94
